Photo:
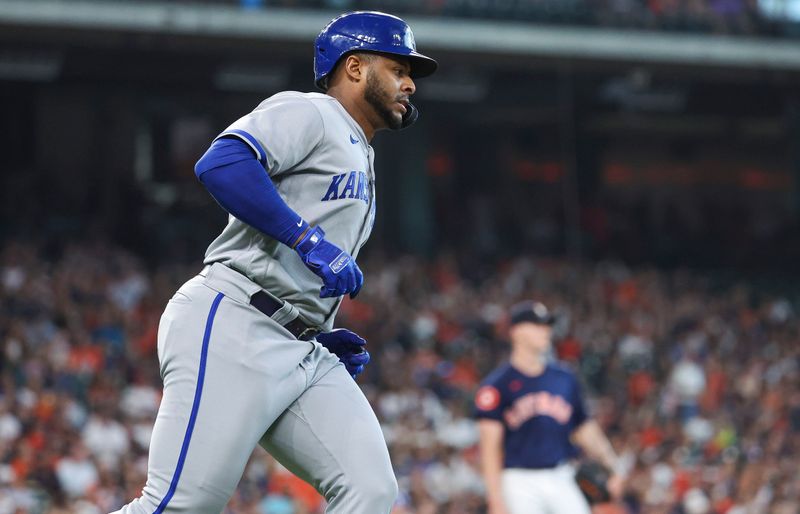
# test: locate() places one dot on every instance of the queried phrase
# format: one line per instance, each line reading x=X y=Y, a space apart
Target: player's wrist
x=611 y=460
x=297 y=234
x=307 y=239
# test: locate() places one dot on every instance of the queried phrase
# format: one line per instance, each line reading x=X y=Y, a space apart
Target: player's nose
x=408 y=86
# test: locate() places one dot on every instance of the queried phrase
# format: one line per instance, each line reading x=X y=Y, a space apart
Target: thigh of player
x=331 y=438
x=229 y=372
x=524 y=491
x=564 y=493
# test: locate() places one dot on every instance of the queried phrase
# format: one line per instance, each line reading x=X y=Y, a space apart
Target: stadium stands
x=696 y=381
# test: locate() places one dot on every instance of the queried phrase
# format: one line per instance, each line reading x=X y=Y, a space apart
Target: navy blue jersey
x=539 y=414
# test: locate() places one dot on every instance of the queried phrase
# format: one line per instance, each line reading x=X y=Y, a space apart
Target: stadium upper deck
x=779 y=18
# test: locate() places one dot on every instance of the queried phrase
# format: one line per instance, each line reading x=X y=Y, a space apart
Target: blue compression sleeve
x=238 y=182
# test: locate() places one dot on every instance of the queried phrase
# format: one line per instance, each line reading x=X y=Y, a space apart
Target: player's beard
x=380 y=100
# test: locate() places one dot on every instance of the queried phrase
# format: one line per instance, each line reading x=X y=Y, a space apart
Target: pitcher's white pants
x=234 y=378
x=543 y=491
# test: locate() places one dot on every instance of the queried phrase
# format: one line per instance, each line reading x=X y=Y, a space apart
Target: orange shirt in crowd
x=640 y=385
x=608 y=508
x=283 y=482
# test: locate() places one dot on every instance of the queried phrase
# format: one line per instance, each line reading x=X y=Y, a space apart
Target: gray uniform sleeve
x=283 y=131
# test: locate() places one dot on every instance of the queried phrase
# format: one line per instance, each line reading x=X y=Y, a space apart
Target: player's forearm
x=491 y=449
x=591 y=439
x=239 y=183
x=492 y=480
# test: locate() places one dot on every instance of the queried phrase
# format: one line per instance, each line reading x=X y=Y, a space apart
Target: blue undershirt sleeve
x=239 y=183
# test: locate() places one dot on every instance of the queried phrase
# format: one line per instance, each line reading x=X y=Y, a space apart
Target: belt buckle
x=309 y=333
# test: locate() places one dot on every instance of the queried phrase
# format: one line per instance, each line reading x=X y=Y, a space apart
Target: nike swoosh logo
x=353 y=140
x=300 y=223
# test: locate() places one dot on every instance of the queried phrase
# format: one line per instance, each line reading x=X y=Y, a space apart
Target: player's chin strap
x=410 y=117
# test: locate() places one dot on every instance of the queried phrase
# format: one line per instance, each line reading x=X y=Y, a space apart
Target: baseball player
x=247 y=350
x=530 y=412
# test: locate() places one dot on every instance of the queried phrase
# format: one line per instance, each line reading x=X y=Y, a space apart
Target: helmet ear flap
x=322 y=65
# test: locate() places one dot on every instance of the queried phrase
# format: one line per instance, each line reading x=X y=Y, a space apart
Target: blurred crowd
x=706 y=16
x=695 y=381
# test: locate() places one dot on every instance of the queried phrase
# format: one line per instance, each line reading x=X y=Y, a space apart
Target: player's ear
x=355 y=66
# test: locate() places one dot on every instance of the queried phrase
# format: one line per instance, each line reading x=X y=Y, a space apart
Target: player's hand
x=338 y=270
x=616 y=486
x=348 y=346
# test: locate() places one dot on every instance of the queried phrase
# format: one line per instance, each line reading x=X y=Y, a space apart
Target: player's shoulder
x=489 y=396
x=297 y=98
x=498 y=376
x=292 y=109
x=561 y=369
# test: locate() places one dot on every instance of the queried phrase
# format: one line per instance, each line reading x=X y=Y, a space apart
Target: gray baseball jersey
x=322 y=166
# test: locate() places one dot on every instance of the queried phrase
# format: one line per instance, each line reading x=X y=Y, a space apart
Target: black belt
x=269 y=306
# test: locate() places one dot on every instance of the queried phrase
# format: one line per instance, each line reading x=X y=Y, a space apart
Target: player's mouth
x=403 y=104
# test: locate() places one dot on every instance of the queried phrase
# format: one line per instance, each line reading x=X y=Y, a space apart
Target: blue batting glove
x=349 y=347
x=338 y=270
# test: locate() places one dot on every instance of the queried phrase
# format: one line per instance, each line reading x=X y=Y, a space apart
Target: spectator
x=687 y=382
x=106 y=438
x=76 y=473
x=719 y=412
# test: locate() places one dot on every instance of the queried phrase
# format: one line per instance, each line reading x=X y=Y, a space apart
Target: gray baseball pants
x=234 y=378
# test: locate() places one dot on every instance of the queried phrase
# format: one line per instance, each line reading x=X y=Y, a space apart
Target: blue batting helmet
x=366 y=31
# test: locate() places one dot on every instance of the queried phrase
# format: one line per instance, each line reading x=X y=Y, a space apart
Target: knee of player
x=380 y=487
x=376 y=490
